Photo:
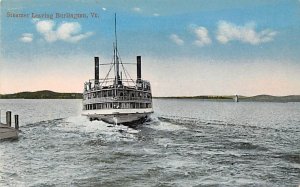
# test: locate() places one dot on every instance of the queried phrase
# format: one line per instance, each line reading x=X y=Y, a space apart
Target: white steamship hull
x=119 y=116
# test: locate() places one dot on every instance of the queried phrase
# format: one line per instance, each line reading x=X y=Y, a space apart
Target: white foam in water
x=82 y=124
x=126 y=129
x=166 y=126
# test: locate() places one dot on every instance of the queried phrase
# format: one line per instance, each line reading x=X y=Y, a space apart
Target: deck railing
x=119 y=99
x=109 y=84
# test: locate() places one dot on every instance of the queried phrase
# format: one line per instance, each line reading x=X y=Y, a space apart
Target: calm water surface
x=187 y=143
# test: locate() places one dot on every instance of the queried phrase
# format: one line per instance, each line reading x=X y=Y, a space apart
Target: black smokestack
x=139 y=66
x=96 y=70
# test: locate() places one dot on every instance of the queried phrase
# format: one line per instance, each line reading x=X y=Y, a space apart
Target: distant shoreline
x=257 y=98
x=47 y=94
x=44 y=94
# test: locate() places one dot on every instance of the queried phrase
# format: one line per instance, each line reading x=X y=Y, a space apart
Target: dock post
x=17 y=122
x=8 y=118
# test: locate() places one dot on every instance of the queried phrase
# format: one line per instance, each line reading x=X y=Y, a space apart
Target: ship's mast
x=116 y=57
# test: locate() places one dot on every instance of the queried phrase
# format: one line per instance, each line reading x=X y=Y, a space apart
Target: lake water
x=187 y=143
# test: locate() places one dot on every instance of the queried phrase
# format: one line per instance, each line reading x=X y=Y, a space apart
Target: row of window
x=121 y=94
x=116 y=106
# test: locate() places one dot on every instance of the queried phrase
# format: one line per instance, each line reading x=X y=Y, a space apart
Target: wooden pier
x=6 y=130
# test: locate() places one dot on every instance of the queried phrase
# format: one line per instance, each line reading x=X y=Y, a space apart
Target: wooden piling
x=8 y=118
x=17 y=122
x=8 y=132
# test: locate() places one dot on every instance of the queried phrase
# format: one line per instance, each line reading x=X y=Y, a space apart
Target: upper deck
x=105 y=94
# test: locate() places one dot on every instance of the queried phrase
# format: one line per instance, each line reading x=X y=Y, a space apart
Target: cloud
x=202 y=36
x=176 y=39
x=104 y=8
x=46 y=29
x=71 y=32
x=137 y=9
x=26 y=37
x=157 y=14
x=67 y=31
x=227 y=32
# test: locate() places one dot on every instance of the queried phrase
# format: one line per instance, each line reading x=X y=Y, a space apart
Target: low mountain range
x=47 y=94
x=44 y=94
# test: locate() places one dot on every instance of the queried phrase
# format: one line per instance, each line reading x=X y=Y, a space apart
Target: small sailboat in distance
x=236 y=98
x=116 y=100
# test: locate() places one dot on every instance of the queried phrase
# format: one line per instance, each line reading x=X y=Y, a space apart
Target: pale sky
x=195 y=47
